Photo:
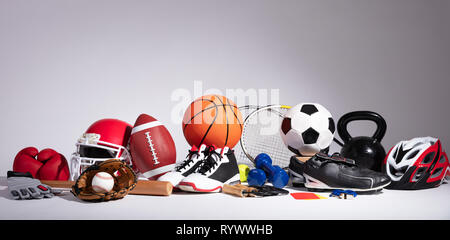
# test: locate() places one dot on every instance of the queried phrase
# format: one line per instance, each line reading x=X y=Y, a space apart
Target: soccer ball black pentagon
x=307 y=129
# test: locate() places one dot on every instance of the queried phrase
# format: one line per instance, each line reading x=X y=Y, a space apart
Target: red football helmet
x=104 y=139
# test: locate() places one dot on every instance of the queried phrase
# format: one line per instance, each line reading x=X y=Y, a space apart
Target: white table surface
x=389 y=204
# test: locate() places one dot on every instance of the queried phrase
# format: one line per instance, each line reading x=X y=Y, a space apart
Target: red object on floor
x=306 y=196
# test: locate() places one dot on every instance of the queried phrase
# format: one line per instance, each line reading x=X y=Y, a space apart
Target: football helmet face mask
x=418 y=163
x=103 y=140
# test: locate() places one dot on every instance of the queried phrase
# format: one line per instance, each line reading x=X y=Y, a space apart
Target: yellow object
x=243 y=172
x=321 y=197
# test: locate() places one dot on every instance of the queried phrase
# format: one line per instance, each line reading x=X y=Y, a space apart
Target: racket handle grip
x=237 y=190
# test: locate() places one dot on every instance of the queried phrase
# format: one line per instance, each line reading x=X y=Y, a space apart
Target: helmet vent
x=413 y=154
x=395 y=153
x=428 y=158
x=403 y=170
x=442 y=159
x=437 y=172
x=399 y=172
x=419 y=173
x=394 y=171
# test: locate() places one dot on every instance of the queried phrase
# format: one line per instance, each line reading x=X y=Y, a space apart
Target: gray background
x=65 y=64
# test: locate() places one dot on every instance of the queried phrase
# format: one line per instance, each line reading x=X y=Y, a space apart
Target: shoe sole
x=313 y=184
x=296 y=179
x=192 y=187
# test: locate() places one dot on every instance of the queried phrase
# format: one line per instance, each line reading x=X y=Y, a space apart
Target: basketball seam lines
x=226 y=117
x=186 y=124
x=210 y=125
x=203 y=111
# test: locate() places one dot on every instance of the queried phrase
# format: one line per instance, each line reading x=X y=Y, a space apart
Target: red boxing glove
x=25 y=161
x=44 y=165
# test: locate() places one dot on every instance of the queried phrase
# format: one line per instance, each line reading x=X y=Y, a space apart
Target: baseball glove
x=124 y=181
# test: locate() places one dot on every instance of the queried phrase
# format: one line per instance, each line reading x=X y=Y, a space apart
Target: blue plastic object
x=346 y=193
x=275 y=174
x=256 y=177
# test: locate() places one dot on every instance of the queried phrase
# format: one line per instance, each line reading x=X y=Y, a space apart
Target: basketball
x=212 y=120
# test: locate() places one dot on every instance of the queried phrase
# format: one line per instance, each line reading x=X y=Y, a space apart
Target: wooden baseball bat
x=143 y=187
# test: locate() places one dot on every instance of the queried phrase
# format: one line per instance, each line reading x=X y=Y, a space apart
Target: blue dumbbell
x=275 y=174
x=256 y=177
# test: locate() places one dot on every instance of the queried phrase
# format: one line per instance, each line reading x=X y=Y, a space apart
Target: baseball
x=102 y=182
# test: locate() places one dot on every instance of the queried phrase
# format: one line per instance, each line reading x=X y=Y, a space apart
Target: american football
x=152 y=147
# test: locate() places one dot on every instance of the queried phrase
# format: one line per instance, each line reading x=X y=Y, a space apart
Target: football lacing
x=152 y=149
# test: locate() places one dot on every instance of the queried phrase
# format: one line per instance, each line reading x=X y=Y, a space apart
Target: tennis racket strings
x=261 y=134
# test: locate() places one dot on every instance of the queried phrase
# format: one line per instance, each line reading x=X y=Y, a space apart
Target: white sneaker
x=188 y=166
x=219 y=168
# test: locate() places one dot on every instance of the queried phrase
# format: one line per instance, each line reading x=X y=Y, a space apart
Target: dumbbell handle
x=264 y=162
x=270 y=171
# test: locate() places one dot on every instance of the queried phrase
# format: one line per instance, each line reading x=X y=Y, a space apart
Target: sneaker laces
x=347 y=162
x=337 y=158
x=209 y=162
x=188 y=160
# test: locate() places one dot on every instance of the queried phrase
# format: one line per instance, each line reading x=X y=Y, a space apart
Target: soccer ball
x=307 y=128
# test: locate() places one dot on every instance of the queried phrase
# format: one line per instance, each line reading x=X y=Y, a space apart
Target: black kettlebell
x=366 y=151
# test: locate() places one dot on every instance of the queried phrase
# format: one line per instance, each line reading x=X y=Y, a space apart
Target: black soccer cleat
x=323 y=172
x=295 y=172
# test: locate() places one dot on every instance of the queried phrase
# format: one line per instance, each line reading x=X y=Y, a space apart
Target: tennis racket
x=261 y=134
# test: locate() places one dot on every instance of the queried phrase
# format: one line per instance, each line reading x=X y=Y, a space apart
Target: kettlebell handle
x=361 y=115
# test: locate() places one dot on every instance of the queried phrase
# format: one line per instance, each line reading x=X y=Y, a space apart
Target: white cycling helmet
x=418 y=163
